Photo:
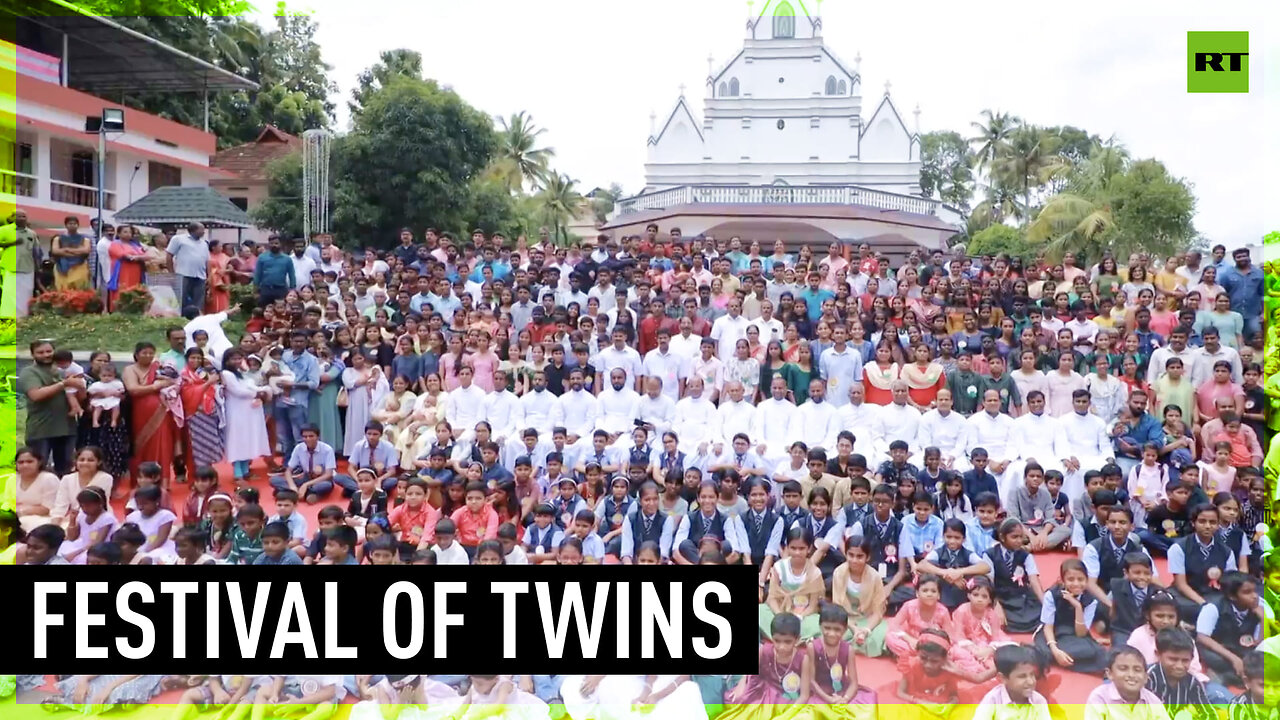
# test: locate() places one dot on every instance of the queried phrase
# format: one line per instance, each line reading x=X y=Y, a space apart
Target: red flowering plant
x=67 y=302
x=133 y=301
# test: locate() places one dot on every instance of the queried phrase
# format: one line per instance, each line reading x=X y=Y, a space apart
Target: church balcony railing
x=778 y=195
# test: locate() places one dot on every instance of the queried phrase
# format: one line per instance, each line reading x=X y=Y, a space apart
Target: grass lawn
x=103 y=332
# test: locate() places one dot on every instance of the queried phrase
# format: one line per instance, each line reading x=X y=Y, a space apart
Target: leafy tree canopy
x=997 y=239
x=947 y=168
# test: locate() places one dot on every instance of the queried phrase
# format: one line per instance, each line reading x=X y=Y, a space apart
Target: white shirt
x=1084 y=331
x=1160 y=356
x=996 y=435
x=218 y=342
x=735 y=417
x=695 y=420
x=770 y=329
x=504 y=413
x=537 y=407
x=817 y=424
x=897 y=422
x=607 y=296
x=773 y=425
x=945 y=432
x=862 y=420
x=671 y=368
x=659 y=412
x=455 y=555
x=103 y=248
x=1039 y=437
x=302 y=267
x=576 y=412
x=727 y=331
x=1086 y=436
x=687 y=347
x=618 y=409
x=1202 y=364
x=627 y=358
x=466 y=408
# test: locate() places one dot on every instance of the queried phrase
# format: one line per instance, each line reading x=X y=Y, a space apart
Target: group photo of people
x=967 y=484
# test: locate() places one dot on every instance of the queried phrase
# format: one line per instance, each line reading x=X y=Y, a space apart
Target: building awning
x=182 y=205
x=104 y=57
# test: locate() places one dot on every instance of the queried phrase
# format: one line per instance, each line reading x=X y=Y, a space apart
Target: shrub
x=67 y=302
x=134 y=301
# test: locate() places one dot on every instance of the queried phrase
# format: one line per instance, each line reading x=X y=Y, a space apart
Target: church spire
x=916 y=112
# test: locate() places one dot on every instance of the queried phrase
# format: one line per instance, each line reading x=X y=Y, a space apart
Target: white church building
x=786 y=148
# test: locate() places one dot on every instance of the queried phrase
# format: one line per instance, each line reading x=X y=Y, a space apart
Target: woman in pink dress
x=219 y=279
x=978 y=633
x=1219 y=385
x=128 y=263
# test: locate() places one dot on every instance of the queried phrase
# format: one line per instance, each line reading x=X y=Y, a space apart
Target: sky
x=592 y=72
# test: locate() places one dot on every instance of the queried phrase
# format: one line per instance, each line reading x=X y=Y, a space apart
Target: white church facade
x=784 y=131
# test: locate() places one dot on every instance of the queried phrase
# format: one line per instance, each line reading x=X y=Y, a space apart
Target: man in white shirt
x=331 y=261
x=994 y=432
x=619 y=356
x=1087 y=443
x=1039 y=438
x=1191 y=270
x=735 y=415
x=772 y=431
x=503 y=411
x=685 y=343
x=603 y=291
x=1178 y=348
x=576 y=411
x=671 y=367
x=861 y=419
x=898 y=420
x=657 y=409
x=695 y=419
x=302 y=265
x=619 y=409
x=537 y=406
x=945 y=429
x=770 y=327
x=1204 y=358
x=816 y=422
x=728 y=329
x=841 y=365
x=466 y=408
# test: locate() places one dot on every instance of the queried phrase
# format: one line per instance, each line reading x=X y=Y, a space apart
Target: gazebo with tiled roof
x=178 y=206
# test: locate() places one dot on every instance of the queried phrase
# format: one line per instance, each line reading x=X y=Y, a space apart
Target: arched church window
x=831 y=85
x=733 y=87
x=840 y=89
x=784 y=21
x=724 y=89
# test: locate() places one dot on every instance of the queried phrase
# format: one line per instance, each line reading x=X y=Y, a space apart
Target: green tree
x=993 y=132
x=392 y=64
x=1027 y=161
x=946 y=168
x=282 y=210
x=413 y=151
x=520 y=161
x=559 y=201
x=604 y=200
x=997 y=239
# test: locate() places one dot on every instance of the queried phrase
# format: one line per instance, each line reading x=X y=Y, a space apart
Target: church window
x=784 y=21
x=733 y=87
x=724 y=89
x=831 y=85
x=840 y=89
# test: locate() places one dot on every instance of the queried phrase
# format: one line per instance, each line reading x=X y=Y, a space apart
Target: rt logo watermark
x=1217 y=62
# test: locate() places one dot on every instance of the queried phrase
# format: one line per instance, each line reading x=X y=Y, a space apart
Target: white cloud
x=591 y=72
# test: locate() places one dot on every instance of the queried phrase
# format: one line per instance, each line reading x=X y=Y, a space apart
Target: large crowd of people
x=892 y=442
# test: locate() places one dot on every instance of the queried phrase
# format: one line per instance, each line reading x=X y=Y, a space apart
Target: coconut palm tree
x=1028 y=160
x=1001 y=203
x=519 y=161
x=992 y=134
x=558 y=201
x=1072 y=223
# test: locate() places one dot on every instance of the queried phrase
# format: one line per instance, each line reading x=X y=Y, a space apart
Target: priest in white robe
x=817 y=422
x=898 y=420
x=657 y=409
x=1038 y=437
x=619 y=409
x=465 y=409
x=736 y=416
x=862 y=419
x=576 y=411
x=945 y=429
x=772 y=431
x=696 y=419
x=1088 y=443
x=994 y=432
x=503 y=412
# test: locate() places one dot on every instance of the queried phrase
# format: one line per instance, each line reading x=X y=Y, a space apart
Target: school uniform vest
x=1092 y=531
x=699 y=526
x=1110 y=566
x=1126 y=609
x=641 y=535
x=1233 y=538
x=540 y=540
x=667 y=464
x=854 y=514
x=615 y=513
x=884 y=544
x=565 y=507
x=1235 y=632
x=1198 y=565
x=952 y=596
x=815 y=531
x=1005 y=583
x=791 y=517
x=758 y=533
x=1064 y=616
x=639 y=456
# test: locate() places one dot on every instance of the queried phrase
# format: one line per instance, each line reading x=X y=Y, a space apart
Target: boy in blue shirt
x=275 y=547
x=978 y=480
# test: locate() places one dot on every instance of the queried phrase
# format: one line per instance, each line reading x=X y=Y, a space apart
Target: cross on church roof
x=710 y=62
x=887 y=85
x=681 y=89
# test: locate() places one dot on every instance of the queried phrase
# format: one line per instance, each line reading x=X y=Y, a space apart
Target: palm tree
x=519 y=161
x=1001 y=203
x=992 y=134
x=1073 y=223
x=559 y=201
x=1028 y=160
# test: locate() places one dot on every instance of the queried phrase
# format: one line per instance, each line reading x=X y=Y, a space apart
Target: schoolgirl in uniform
x=612 y=514
x=706 y=520
x=1198 y=561
x=1016 y=578
x=795 y=587
x=1067 y=615
x=763 y=528
x=646 y=524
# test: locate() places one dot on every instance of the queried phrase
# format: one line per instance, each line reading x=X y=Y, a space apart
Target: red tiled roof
x=249 y=161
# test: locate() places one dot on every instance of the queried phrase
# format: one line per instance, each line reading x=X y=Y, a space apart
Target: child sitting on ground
x=1126 y=697
x=926 y=681
x=1067 y=616
x=1169 y=678
x=1015 y=696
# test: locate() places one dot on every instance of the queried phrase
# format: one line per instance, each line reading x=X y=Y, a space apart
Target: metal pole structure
x=64 y=72
x=102 y=172
x=206 y=109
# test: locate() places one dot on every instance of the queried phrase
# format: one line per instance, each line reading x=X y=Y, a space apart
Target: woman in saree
x=203 y=411
x=429 y=408
x=128 y=259
x=395 y=409
x=219 y=279
x=879 y=374
x=924 y=378
x=154 y=430
x=323 y=410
